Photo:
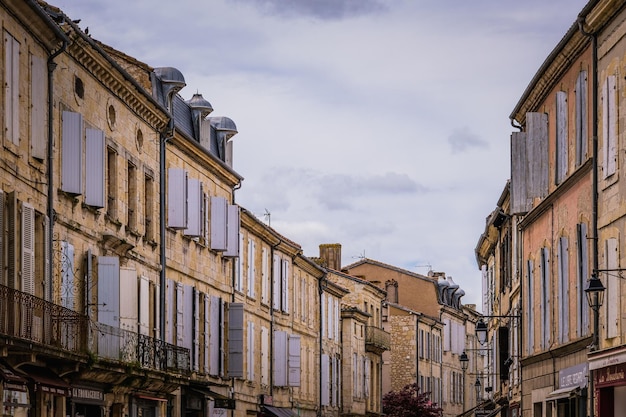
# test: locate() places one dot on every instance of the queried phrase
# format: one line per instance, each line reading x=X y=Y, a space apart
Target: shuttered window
x=563 y=301
x=561 y=137
x=235 y=340
x=177 y=198
x=582 y=270
x=252 y=352
x=276 y=282
x=194 y=214
x=232 y=231
x=293 y=376
x=285 y=278
x=265 y=357
x=38 y=107
x=196 y=330
x=11 y=85
x=129 y=308
x=581 y=118
x=95 y=176
x=216 y=336
x=109 y=290
x=265 y=276
x=144 y=306
x=251 y=268
x=545 y=301
x=219 y=208
x=28 y=249
x=72 y=153
x=613 y=290
x=530 y=307
x=170 y=310
x=609 y=126
x=325 y=380
x=537 y=154
x=280 y=358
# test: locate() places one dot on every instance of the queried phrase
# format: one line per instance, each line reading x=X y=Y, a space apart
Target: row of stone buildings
x=132 y=284
x=551 y=251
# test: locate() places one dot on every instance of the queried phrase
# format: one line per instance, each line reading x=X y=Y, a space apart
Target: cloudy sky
x=378 y=124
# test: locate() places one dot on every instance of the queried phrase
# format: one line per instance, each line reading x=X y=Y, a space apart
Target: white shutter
x=251 y=268
x=264 y=275
x=232 y=231
x=207 y=333
x=285 y=278
x=72 y=153
x=194 y=208
x=609 y=125
x=613 y=290
x=180 y=315
x=11 y=85
x=196 y=329
x=252 y=351
x=280 y=358
x=581 y=117
x=561 y=136
x=215 y=335
x=177 y=198
x=28 y=248
x=144 y=305
x=325 y=380
x=276 y=282
x=265 y=357
x=219 y=208
x=129 y=309
x=293 y=364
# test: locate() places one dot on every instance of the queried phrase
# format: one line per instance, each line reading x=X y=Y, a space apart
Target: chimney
x=330 y=254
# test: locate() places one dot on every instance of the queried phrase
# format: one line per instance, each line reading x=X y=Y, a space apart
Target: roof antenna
x=267 y=217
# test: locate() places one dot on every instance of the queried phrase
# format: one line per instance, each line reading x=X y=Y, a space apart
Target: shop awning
x=11 y=379
x=563 y=393
x=280 y=411
x=46 y=380
x=219 y=400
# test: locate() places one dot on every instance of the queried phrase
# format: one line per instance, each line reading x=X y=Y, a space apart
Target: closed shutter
x=129 y=309
x=285 y=277
x=144 y=306
x=252 y=351
x=196 y=329
x=109 y=290
x=95 y=174
x=563 y=271
x=581 y=117
x=207 y=332
x=232 y=231
x=2 y=236
x=265 y=357
x=219 y=208
x=537 y=152
x=180 y=314
x=194 y=212
x=39 y=105
x=530 y=307
x=325 y=380
x=11 y=85
x=170 y=311
x=520 y=203
x=264 y=276
x=293 y=376
x=215 y=336
x=72 y=153
x=235 y=340
x=609 y=126
x=276 y=283
x=280 y=358
x=613 y=290
x=251 y=268
x=583 y=276
x=561 y=136
x=177 y=198
x=28 y=249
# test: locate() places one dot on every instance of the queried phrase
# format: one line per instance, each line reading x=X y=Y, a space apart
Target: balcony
x=26 y=318
x=377 y=340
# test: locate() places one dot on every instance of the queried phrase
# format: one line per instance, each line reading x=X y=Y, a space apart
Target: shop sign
x=575 y=376
x=226 y=403
x=611 y=375
x=87 y=394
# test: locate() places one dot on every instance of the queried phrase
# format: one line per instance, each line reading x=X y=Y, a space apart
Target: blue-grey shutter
x=180 y=315
x=583 y=276
x=196 y=330
x=207 y=332
x=188 y=317
x=95 y=174
x=520 y=203
x=67 y=275
x=39 y=96
x=325 y=380
x=144 y=305
x=252 y=351
x=276 y=296
x=285 y=285
x=609 y=125
x=129 y=306
x=235 y=340
x=545 y=299
x=581 y=117
x=563 y=289
x=293 y=376
x=232 y=230
x=530 y=307
x=280 y=358
x=194 y=212
x=72 y=153
x=537 y=151
x=109 y=290
x=11 y=88
x=215 y=335
x=177 y=198
x=219 y=207
x=561 y=137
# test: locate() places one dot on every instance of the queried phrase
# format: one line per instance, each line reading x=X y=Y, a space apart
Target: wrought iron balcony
x=131 y=347
x=28 y=318
x=376 y=339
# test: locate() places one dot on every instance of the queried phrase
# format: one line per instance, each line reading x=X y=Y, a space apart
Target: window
x=265 y=276
x=613 y=290
x=609 y=126
x=545 y=297
x=68 y=288
x=12 y=93
x=72 y=153
x=251 y=268
x=94 y=176
x=148 y=204
x=563 y=301
x=581 y=117
x=235 y=340
x=582 y=270
x=38 y=107
x=112 y=184
x=561 y=137
x=530 y=307
x=195 y=197
x=131 y=196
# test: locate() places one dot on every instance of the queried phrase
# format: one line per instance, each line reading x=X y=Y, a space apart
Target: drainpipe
x=594 y=183
x=320 y=387
x=272 y=277
x=51 y=67
x=164 y=136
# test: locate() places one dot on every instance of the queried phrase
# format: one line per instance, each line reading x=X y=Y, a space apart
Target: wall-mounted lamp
x=595 y=298
x=464 y=361
x=482 y=330
x=477 y=386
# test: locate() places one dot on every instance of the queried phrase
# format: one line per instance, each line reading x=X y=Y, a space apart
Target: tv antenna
x=268 y=217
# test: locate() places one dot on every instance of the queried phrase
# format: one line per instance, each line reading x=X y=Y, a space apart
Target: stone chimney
x=330 y=255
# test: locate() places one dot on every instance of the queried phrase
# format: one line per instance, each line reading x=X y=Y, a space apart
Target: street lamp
x=481 y=331
x=464 y=363
x=595 y=298
x=477 y=385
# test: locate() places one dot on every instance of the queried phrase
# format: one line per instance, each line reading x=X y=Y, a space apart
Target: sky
x=382 y=125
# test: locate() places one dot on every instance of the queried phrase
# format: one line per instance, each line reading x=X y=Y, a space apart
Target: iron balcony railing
x=377 y=338
x=29 y=318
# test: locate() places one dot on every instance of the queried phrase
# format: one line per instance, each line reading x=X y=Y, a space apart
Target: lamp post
x=595 y=298
x=464 y=363
x=477 y=385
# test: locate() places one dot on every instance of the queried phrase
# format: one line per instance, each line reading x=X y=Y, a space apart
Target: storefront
x=148 y=405
x=48 y=392
x=86 y=401
x=14 y=393
x=570 y=398
x=609 y=378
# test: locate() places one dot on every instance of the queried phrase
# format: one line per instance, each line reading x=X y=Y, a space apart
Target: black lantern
x=464 y=361
x=481 y=331
x=595 y=293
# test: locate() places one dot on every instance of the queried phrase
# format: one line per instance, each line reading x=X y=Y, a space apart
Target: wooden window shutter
x=562 y=142
x=109 y=290
x=144 y=306
x=177 y=198
x=219 y=208
x=72 y=153
x=194 y=212
x=95 y=176
x=232 y=231
x=293 y=375
x=11 y=84
x=280 y=358
x=235 y=340
x=28 y=249
x=325 y=380
x=39 y=106
x=581 y=117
